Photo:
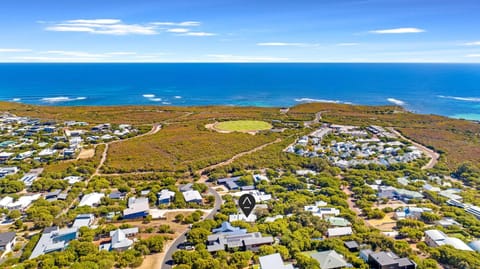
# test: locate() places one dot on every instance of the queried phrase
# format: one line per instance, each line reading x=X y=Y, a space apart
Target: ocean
x=451 y=90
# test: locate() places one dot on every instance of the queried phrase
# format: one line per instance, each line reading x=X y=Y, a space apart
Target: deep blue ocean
x=446 y=89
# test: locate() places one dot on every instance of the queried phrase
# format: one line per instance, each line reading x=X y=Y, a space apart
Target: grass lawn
x=243 y=126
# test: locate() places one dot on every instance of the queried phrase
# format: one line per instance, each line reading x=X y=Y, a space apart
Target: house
x=341 y=231
x=322 y=212
x=137 y=208
x=83 y=220
x=23 y=202
x=117 y=195
x=73 y=179
x=259 y=178
x=338 y=222
x=407 y=195
x=24 y=155
x=144 y=192
x=62 y=196
x=451 y=194
x=186 y=187
x=475 y=245
x=329 y=259
x=6 y=201
x=54 y=239
x=230 y=183
x=273 y=261
x=446 y=222
x=258 y=195
x=241 y=217
x=272 y=219
x=4 y=156
x=243 y=241
x=436 y=238
x=192 y=196
x=386 y=260
x=7 y=242
x=227 y=227
x=52 y=195
x=386 y=192
x=91 y=199
x=352 y=246
x=46 y=152
x=28 y=179
x=411 y=213
x=119 y=239
x=165 y=197
x=5 y=171
x=474 y=210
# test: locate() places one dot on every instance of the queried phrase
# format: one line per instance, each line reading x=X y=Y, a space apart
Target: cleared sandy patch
x=86 y=154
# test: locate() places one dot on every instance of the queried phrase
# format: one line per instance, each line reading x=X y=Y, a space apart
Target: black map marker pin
x=246 y=203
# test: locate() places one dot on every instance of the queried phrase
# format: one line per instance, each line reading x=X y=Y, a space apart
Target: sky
x=240 y=31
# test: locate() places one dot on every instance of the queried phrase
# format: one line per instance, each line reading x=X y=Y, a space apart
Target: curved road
x=167 y=262
x=434 y=156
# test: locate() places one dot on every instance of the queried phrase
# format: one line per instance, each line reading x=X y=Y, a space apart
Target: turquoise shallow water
x=445 y=89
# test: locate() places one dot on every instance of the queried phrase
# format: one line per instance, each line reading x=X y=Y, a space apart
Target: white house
x=91 y=199
x=340 y=231
x=436 y=238
x=192 y=196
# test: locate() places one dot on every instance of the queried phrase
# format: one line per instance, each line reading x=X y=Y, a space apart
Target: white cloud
x=407 y=30
x=347 y=44
x=120 y=53
x=182 y=24
x=286 y=44
x=199 y=34
x=102 y=26
x=178 y=30
x=238 y=58
x=396 y=101
x=96 y=21
x=472 y=55
x=79 y=54
x=474 y=43
x=56 y=59
x=14 y=50
x=468 y=99
x=118 y=27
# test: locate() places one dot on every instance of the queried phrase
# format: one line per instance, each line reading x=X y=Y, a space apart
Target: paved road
x=167 y=262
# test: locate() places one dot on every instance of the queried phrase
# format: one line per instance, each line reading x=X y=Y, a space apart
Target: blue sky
x=240 y=31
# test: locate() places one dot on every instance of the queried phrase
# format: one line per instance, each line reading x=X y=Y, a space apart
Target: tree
x=14 y=214
x=198 y=235
x=430 y=217
x=305 y=262
x=185 y=257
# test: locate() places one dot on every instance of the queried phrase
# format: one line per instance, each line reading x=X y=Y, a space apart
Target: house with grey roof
x=329 y=259
x=386 y=260
x=436 y=238
x=7 y=241
x=192 y=196
x=83 y=220
x=54 y=239
x=137 y=208
x=239 y=239
x=273 y=261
